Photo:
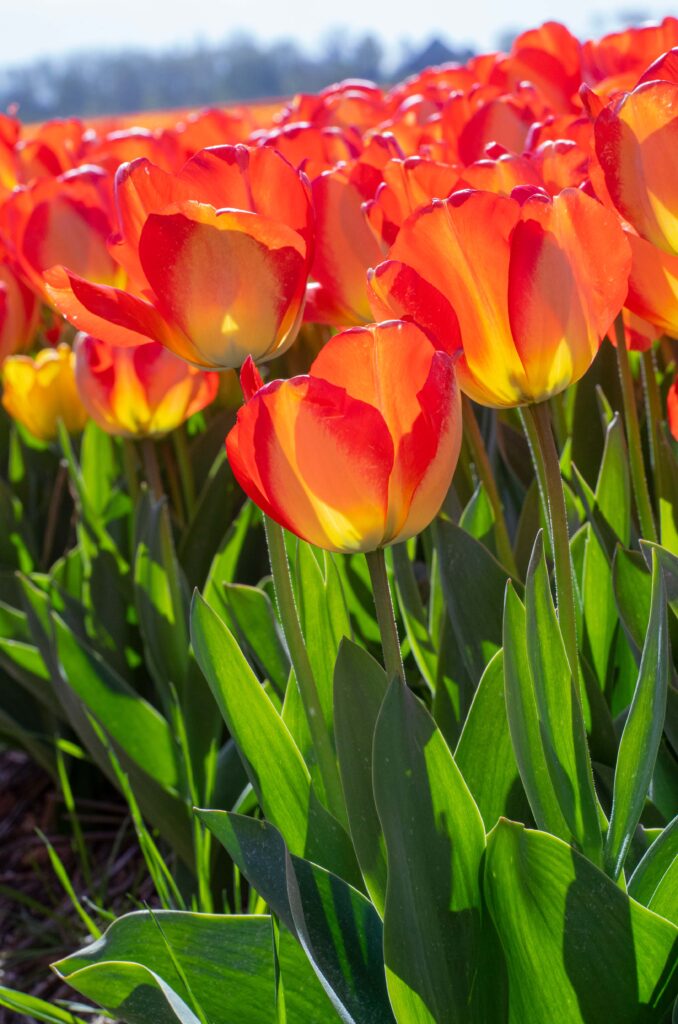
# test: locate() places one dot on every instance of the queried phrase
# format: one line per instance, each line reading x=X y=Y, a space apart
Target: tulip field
x=339 y=551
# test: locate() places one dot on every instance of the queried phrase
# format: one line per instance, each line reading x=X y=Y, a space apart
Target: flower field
x=339 y=547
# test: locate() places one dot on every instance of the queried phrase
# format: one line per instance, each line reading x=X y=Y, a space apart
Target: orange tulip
x=19 y=312
x=217 y=255
x=527 y=290
x=141 y=390
x=360 y=453
x=345 y=244
x=636 y=141
x=40 y=392
x=63 y=220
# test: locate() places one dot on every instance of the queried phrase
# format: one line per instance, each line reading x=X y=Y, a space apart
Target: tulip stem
x=53 y=513
x=653 y=405
x=185 y=470
x=636 y=462
x=486 y=477
x=390 y=644
x=289 y=617
x=537 y=424
x=152 y=468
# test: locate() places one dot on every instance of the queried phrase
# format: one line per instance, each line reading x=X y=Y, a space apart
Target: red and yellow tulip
x=527 y=288
x=217 y=257
x=141 y=390
x=360 y=453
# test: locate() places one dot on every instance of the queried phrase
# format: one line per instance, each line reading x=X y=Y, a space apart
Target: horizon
x=43 y=29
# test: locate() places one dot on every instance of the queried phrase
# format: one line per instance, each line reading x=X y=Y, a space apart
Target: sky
x=38 y=28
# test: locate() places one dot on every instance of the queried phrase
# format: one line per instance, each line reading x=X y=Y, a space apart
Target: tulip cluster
x=508 y=210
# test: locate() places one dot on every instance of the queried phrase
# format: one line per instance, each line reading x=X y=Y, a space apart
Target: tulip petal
x=372 y=364
x=316 y=460
x=232 y=281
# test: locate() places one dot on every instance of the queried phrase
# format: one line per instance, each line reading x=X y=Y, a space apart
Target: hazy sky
x=34 y=28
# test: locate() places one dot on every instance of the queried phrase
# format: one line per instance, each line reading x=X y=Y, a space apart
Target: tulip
x=19 y=312
x=360 y=453
x=636 y=139
x=345 y=244
x=217 y=257
x=141 y=390
x=40 y=392
x=528 y=289
x=64 y=220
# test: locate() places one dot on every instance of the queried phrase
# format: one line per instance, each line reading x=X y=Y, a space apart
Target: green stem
x=185 y=470
x=308 y=689
x=53 y=513
x=547 y=466
x=653 y=405
x=636 y=463
x=393 y=660
x=152 y=468
x=486 y=476
x=129 y=461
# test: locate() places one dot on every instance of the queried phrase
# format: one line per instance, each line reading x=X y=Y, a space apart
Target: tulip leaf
x=473 y=583
x=252 y=619
x=161 y=598
x=323 y=616
x=642 y=732
x=34 y=1009
x=633 y=593
x=484 y=753
x=167 y=967
x=337 y=926
x=559 y=711
x=435 y=840
x=478 y=519
x=578 y=949
x=272 y=760
x=414 y=615
x=360 y=685
x=659 y=860
x=342 y=935
x=524 y=725
x=613 y=502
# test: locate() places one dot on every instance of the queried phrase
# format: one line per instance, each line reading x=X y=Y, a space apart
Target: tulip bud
x=41 y=391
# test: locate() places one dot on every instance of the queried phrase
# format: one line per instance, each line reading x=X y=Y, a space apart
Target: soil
x=38 y=923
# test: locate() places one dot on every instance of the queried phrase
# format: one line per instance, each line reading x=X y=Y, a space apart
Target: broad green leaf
x=523 y=719
x=478 y=519
x=258 y=849
x=252 y=619
x=161 y=598
x=559 y=711
x=273 y=762
x=413 y=614
x=323 y=616
x=642 y=732
x=171 y=966
x=613 y=502
x=633 y=592
x=579 y=950
x=140 y=736
x=224 y=565
x=360 y=685
x=484 y=754
x=131 y=722
x=659 y=862
x=435 y=841
x=342 y=935
x=473 y=584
